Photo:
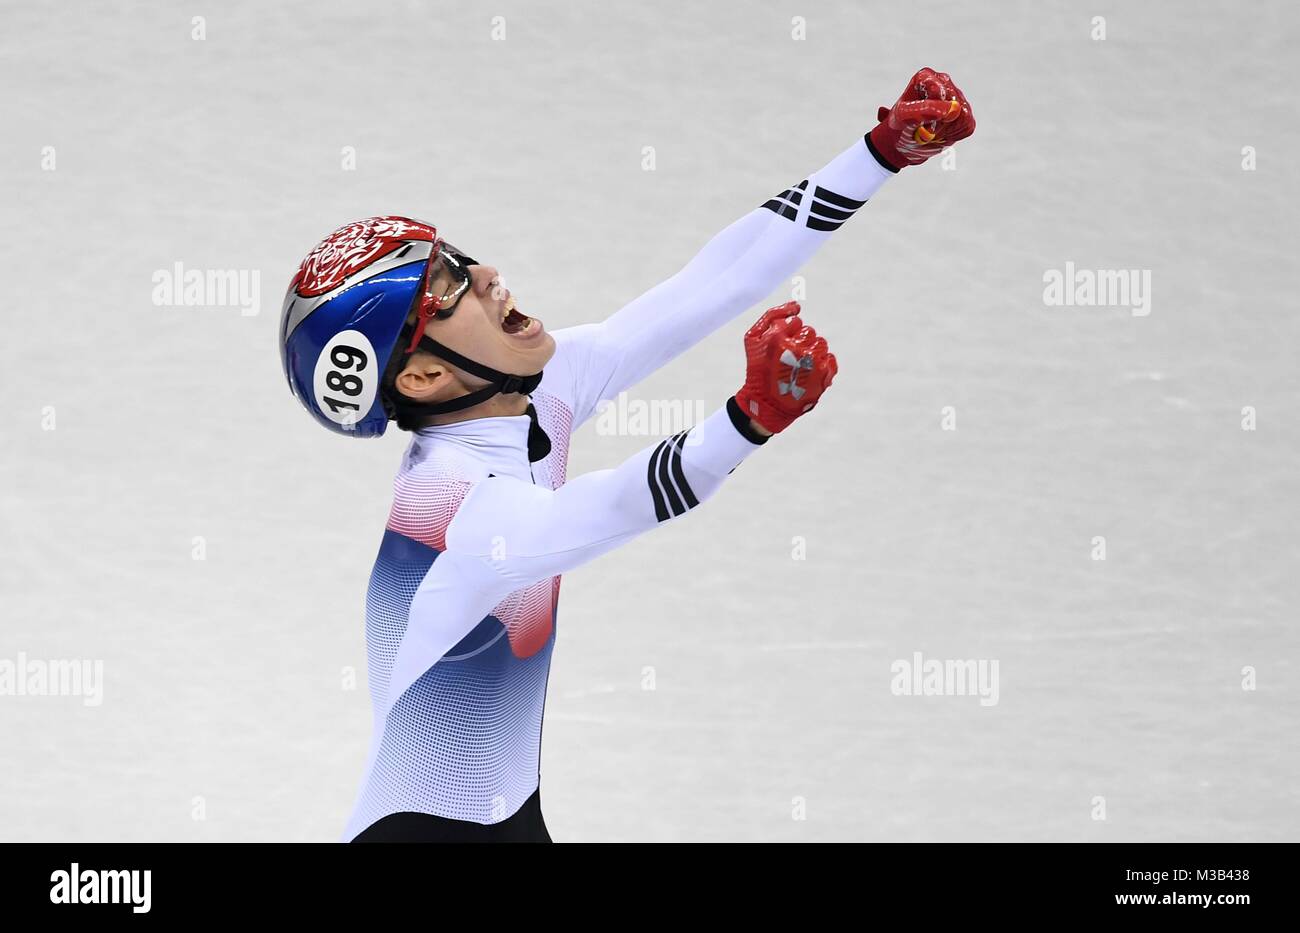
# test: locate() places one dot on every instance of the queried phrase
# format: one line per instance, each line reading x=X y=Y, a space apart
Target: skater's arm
x=745 y=262
x=735 y=270
x=527 y=533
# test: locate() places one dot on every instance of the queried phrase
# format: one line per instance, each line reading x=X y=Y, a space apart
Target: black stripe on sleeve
x=830 y=213
x=666 y=484
x=829 y=210
x=679 y=474
x=787 y=202
x=839 y=200
x=661 y=508
x=780 y=207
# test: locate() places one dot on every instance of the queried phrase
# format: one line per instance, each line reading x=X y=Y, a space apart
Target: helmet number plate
x=346 y=378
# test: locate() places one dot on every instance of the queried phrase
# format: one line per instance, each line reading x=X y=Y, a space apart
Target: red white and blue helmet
x=343 y=314
x=346 y=314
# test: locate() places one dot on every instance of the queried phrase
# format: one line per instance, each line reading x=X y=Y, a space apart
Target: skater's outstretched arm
x=742 y=265
x=509 y=533
x=530 y=533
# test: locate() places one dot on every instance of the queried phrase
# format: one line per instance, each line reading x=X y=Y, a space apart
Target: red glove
x=931 y=114
x=789 y=367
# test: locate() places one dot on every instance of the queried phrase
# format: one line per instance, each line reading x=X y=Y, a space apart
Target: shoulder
x=427 y=493
x=580 y=369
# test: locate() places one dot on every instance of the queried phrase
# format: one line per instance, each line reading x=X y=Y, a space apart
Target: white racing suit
x=461 y=608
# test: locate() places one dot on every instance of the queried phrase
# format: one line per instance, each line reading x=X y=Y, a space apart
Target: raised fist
x=931 y=114
x=788 y=368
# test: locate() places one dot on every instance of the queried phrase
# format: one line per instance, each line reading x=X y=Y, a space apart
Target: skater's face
x=484 y=325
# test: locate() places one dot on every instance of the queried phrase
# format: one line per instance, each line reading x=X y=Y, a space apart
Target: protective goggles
x=446 y=280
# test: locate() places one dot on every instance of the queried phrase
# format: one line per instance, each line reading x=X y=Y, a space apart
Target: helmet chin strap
x=499 y=383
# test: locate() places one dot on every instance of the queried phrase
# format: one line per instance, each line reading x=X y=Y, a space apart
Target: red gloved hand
x=932 y=113
x=789 y=367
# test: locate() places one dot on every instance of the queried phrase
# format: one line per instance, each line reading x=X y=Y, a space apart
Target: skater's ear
x=425 y=378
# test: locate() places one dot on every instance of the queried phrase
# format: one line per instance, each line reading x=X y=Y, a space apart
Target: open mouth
x=512 y=322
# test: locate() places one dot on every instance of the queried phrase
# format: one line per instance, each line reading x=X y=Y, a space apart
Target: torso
x=463 y=742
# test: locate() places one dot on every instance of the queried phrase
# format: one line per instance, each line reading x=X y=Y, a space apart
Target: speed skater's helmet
x=344 y=324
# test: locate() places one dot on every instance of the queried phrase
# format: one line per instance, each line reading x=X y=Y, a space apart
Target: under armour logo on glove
x=796 y=363
x=789 y=367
